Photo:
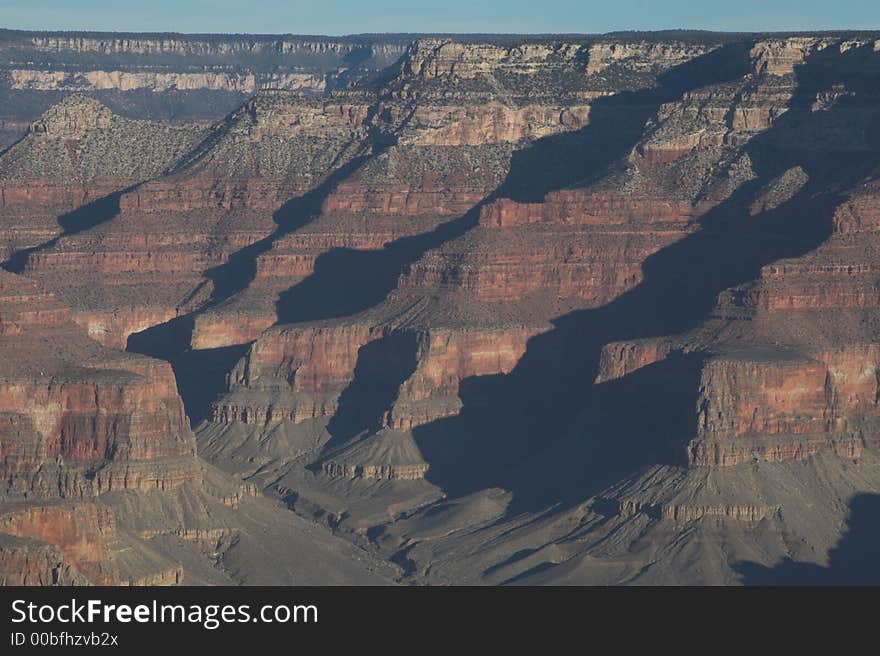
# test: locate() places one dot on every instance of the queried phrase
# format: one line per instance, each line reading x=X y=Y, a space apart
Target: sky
x=334 y=17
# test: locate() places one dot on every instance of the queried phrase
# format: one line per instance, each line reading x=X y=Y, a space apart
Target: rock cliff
x=83 y=427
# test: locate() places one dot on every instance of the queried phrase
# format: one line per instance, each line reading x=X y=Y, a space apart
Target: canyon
x=437 y=310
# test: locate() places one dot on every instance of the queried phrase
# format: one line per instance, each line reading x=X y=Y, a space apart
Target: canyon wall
x=78 y=421
x=687 y=156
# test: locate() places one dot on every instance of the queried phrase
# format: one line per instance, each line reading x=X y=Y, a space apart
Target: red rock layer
x=842 y=274
x=774 y=406
x=31 y=562
x=76 y=419
x=80 y=533
x=619 y=359
x=293 y=374
x=446 y=357
x=592 y=265
x=148 y=263
x=76 y=153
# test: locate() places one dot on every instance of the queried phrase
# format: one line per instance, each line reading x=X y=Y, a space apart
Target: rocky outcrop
x=457 y=125
x=78 y=421
x=80 y=138
x=292 y=374
x=640 y=56
x=683 y=513
x=30 y=562
x=78 y=155
x=80 y=532
x=428 y=59
x=776 y=406
x=444 y=358
x=841 y=274
x=781 y=56
x=385 y=381
x=619 y=359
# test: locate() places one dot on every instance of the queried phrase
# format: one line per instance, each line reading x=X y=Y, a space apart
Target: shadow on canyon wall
x=79 y=220
x=541 y=431
x=347 y=281
x=199 y=371
x=240 y=270
x=202 y=377
x=200 y=374
x=382 y=366
x=853 y=561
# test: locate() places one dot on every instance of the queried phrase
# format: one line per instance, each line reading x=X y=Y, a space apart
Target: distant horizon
x=335 y=18
x=842 y=30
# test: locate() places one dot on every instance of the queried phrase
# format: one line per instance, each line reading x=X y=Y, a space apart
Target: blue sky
x=354 y=16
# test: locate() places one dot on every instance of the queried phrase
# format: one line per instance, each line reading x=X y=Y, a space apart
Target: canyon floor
x=440 y=310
